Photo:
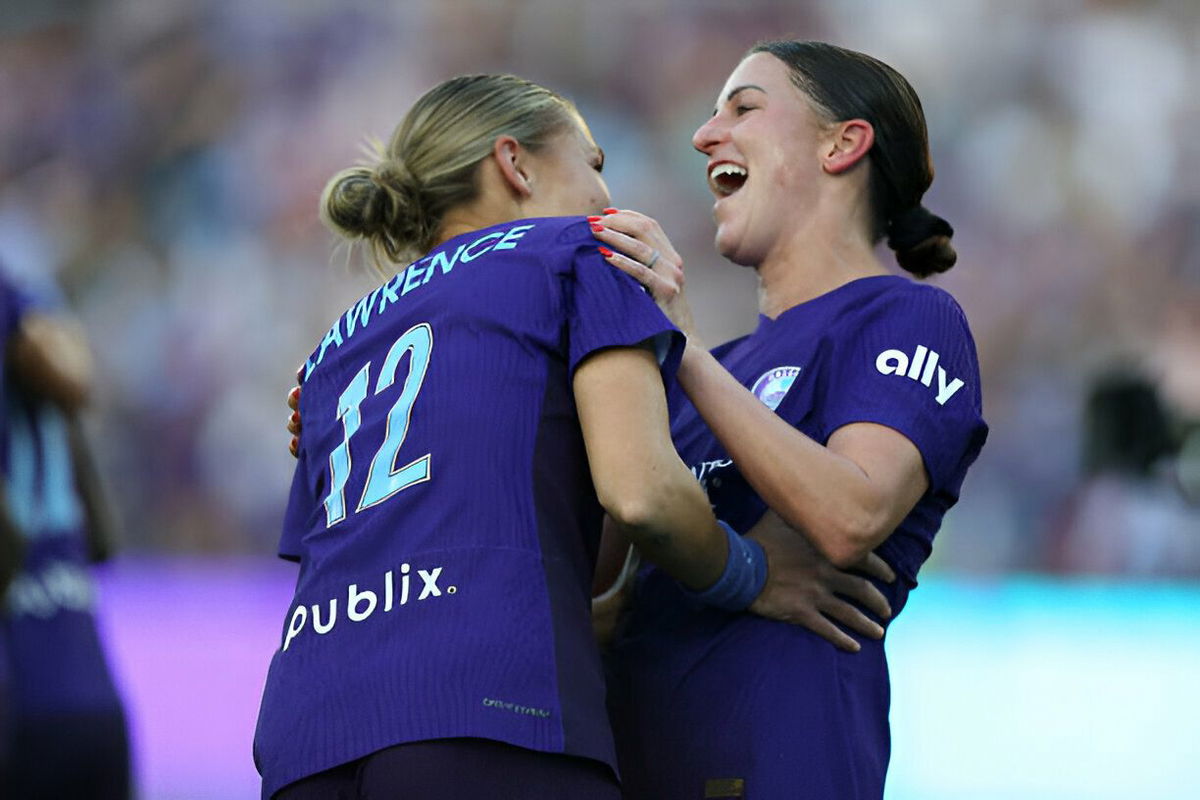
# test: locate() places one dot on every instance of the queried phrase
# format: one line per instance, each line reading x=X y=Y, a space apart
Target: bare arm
x=846 y=496
x=612 y=589
x=611 y=559
x=804 y=588
x=639 y=478
x=50 y=356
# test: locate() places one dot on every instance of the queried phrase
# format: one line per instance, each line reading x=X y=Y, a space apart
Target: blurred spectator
x=1130 y=515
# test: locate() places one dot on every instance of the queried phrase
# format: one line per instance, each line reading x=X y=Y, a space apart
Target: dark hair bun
x=921 y=240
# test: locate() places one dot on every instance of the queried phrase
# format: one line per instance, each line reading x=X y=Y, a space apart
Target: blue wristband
x=744 y=576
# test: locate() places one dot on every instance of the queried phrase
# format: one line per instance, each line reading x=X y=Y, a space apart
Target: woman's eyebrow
x=743 y=88
x=738 y=89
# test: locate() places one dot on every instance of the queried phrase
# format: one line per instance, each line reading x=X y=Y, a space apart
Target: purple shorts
x=460 y=769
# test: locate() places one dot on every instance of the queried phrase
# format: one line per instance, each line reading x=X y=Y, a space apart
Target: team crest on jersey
x=772 y=386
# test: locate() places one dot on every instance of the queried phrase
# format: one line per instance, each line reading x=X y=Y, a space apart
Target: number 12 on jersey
x=383 y=478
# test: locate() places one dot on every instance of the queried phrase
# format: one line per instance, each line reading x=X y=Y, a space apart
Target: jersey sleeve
x=910 y=364
x=607 y=308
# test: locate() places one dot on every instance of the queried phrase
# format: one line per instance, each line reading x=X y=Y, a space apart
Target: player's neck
x=467 y=219
x=796 y=274
x=495 y=203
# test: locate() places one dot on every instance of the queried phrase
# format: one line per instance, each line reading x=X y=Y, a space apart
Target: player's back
x=422 y=404
x=442 y=508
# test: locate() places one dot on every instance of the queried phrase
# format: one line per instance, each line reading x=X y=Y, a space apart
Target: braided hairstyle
x=843 y=84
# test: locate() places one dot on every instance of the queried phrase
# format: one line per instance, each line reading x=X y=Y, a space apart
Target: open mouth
x=726 y=178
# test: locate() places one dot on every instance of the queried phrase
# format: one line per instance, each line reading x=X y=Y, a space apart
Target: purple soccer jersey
x=885 y=350
x=14 y=304
x=56 y=660
x=442 y=509
x=700 y=695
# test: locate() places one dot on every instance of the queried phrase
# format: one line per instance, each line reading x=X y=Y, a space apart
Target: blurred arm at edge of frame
x=49 y=355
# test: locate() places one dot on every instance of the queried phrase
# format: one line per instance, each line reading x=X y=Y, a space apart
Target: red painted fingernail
x=604 y=251
x=610 y=211
x=595 y=219
x=597 y=228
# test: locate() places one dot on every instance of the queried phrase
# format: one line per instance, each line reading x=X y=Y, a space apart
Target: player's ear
x=848 y=143
x=512 y=160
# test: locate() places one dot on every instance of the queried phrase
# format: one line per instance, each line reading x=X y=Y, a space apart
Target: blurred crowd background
x=161 y=160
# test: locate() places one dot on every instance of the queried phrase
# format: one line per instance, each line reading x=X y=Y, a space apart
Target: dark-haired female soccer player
x=443 y=512
x=852 y=412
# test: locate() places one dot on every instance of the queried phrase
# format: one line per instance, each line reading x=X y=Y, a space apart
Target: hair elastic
x=911 y=227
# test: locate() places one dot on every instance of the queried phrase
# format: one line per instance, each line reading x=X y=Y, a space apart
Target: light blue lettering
x=388 y=292
x=440 y=260
x=467 y=255
x=509 y=242
x=412 y=277
x=334 y=337
x=417 y=274
x=360 y=313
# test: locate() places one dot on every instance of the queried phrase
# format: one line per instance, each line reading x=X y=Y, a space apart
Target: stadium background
x=163 y=159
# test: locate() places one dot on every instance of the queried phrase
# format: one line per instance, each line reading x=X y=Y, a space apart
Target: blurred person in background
x=1130 y=515
x=12 y=546
x=65 y=734
x=521 y=379
x=850 y=415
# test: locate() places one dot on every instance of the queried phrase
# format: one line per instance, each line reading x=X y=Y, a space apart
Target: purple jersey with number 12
x=442 y=510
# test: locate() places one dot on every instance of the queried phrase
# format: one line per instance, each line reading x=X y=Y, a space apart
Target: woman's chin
x=725 y=242
x=730 y=249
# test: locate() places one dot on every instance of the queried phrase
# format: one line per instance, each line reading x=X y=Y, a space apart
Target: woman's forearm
x=829 y=496
x=49 y=354
x=639 y=478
